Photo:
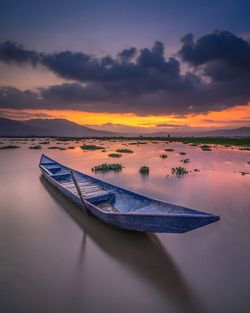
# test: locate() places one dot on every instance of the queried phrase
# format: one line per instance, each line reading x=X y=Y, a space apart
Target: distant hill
x=48 y=127
x=16 y=128
x=235 y=132
x=65 y=128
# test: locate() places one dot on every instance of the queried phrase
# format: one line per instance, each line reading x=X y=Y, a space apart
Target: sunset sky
x=127 y=65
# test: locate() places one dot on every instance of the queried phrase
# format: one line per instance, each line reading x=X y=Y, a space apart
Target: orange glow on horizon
x=226 y=118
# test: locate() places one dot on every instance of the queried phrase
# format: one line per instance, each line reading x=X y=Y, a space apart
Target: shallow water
x=54 y=259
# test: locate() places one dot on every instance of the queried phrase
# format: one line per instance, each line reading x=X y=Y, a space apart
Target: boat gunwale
x=199 y=214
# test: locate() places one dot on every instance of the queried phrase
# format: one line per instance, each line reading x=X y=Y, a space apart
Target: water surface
x=54 y=259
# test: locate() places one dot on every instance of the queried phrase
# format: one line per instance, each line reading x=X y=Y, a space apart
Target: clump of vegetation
x=115 y=155
x=138 y=143
x=193 y=144
x=169 y=149
x=56 y=147
x=206 y=148
x=244 y=173
x=196 y=170
x=163 y=156
x=144 y=170
x=182 y=153
x=91 y=147
x=71 y=148
x=124 y=151
x=245 y=148
x=179 y=171
x=10 y=147
x=105 y=167
x=185 y=161
x=36 y=147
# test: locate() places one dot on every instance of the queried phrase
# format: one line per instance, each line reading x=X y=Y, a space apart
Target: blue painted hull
x=122 y=208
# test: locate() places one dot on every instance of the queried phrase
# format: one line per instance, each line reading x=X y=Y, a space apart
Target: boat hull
x=145 y=222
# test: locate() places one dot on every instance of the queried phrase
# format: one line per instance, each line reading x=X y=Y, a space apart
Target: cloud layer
x=141 y=82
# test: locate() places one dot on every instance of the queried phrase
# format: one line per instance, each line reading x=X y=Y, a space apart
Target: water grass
x=115 y=155
x=182 y=153
x=196 y=170
x=206 y=148
x=36 y=147
x=245 y=148
x=124 y=151
x=91 y=147
x=71 y=148
x=9 y=147
x=185 y=161
x=169 y=149
x=144 y=170
x=106 y=167
x=56 y=148
x=244 y=173
x=179 y=171
x=163 y=156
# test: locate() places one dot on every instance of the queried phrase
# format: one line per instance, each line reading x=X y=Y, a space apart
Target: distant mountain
x=235 y=132
x=16 y=128
x=65 y=128
x=48 y=127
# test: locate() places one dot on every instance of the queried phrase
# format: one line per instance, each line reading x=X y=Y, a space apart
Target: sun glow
x=233 y=117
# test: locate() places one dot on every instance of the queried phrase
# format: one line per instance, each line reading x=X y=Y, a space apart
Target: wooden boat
x=120 y=207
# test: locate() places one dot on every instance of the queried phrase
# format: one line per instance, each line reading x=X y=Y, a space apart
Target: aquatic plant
x=138 y=143
x=144 y=170
x=71 y=148
x=91 y=147
x=106 y=167
x=179 y=171
x=56 y=147
x=115 y=155
x=205 y=148
x=185 y=161
x=196 y=170
x=169 y=149
x=193 y=144
x=124 y=151
x=245 y=148
x=9 y=147
x=182 y=153
x=244 y=173
x=36 y=147
x=163 y=156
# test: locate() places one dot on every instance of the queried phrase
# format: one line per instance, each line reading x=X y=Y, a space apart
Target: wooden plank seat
x=90 y=192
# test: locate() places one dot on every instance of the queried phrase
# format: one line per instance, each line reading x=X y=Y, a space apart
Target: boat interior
x=108 y=197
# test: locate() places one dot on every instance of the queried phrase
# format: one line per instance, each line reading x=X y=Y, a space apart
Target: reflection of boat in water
x=120 y=207
x=142 y=254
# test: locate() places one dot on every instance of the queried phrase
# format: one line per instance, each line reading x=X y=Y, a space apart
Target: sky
x=127 y=65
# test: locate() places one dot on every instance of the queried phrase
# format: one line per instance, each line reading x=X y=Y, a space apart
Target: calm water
x=54 y=259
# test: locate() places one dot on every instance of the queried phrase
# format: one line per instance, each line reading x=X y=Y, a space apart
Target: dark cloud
x=220 y=55
x=127 y=55
x=142 y=82
x=11 y=52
